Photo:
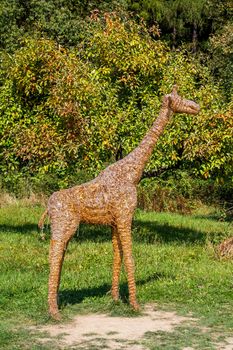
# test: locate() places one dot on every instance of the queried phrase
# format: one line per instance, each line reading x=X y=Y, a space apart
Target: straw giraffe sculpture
x=108 y=199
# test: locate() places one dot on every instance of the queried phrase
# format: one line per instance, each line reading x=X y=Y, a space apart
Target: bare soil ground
x=90 y=330
x=100 y=331
x=114 y=332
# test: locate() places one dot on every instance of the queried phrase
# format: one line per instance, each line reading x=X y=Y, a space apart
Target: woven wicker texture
x=108 y=199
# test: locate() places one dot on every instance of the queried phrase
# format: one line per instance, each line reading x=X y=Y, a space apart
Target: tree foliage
x=65 y=21
x=184 y=21
x=221 y=62
x=68 y=109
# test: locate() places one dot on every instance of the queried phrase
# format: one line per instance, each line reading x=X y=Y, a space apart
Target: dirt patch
x=227 y=345
x=95 y=331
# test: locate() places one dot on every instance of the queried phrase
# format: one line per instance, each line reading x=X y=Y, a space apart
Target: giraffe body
x=93 y=202
x=111 y=199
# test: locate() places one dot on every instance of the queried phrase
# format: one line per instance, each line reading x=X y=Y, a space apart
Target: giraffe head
x=177 y=104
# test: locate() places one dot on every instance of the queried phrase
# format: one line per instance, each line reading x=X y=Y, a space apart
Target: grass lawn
x=176 y=267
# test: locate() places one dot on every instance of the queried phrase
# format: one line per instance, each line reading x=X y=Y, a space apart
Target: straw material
x=108 y=199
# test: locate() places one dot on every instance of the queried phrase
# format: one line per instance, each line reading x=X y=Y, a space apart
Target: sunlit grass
x=176 y=267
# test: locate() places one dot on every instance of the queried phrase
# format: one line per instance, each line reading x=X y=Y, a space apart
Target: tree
x=69 y=109
x=184 y=21
x=194 y=14
x=221 y=62
x=10 y=31
x=65 y=21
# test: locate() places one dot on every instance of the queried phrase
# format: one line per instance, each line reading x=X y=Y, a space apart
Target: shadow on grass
x=143 y=232
x=224 y=217
x=76 y=296
x=154 y=232
x=24 y=228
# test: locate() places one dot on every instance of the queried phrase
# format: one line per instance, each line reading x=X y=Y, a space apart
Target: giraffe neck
x=133 y=164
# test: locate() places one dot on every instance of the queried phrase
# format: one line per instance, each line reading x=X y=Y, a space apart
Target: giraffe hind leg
x=117 y=260
x=126 y=241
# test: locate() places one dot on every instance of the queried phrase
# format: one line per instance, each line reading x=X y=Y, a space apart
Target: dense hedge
x=68 y=111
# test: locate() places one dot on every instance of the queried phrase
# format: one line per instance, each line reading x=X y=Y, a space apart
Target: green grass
x=175 y=267
x=179 y=339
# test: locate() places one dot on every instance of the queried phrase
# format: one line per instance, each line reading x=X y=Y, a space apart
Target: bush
x=181 y=192
x=22 y=186
x=65 y=109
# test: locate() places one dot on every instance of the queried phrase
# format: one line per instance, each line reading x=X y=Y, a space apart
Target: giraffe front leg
x=62 y=232
x=126 y=241
x=117 y=259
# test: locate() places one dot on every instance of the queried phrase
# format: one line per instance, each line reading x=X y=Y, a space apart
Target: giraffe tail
x=42 y=219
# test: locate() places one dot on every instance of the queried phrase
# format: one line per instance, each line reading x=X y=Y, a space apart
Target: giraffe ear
x=175 y=89
x=167 y=99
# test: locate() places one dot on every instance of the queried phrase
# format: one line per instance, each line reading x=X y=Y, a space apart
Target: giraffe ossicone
x=111 y=199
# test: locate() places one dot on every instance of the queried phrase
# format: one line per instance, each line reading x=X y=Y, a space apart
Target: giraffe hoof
x=115 y=297
x=135 y=306
x=114 y=294
x=55 y=315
